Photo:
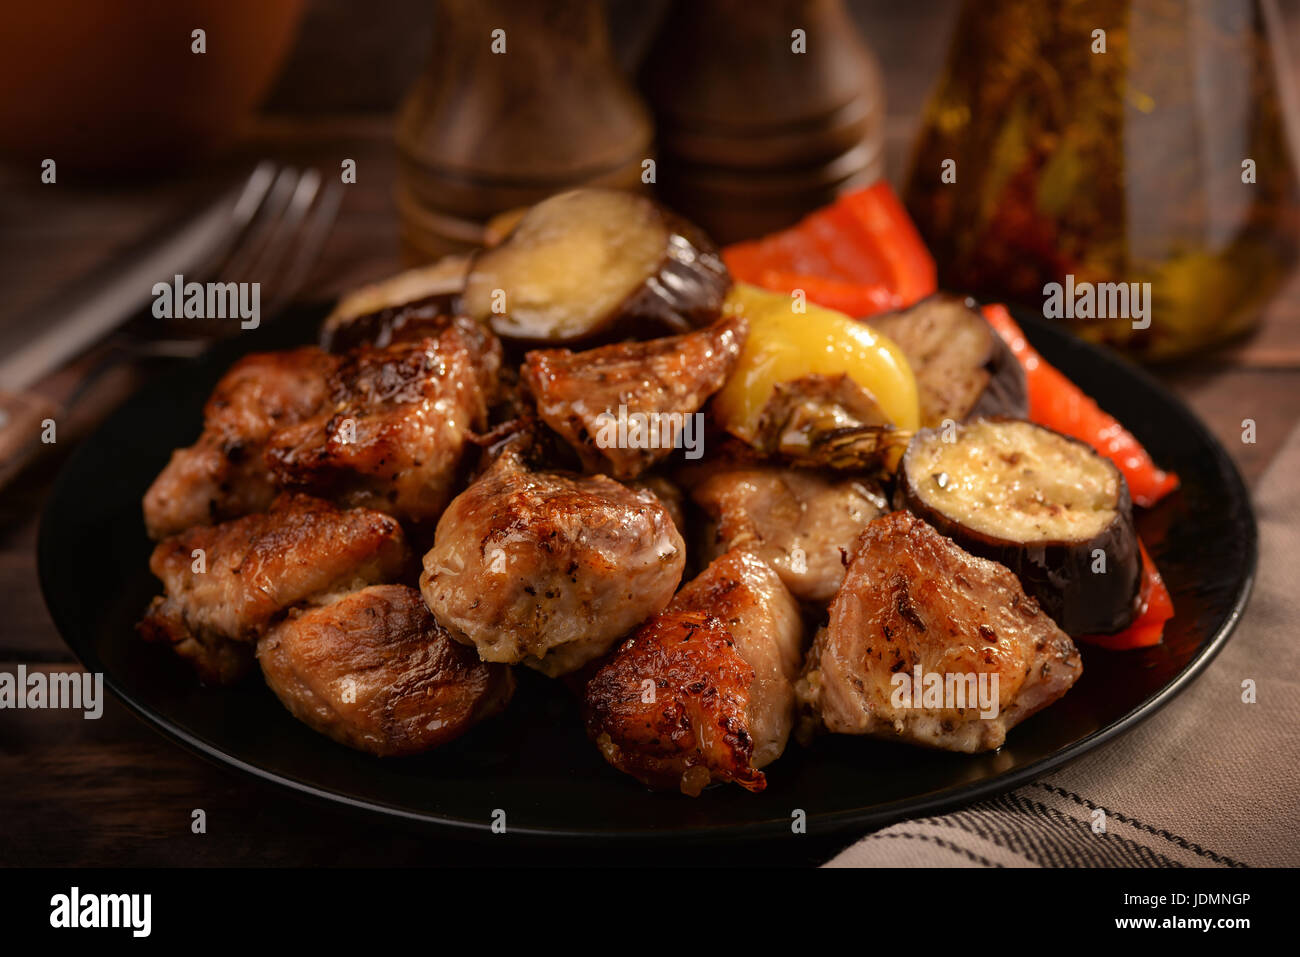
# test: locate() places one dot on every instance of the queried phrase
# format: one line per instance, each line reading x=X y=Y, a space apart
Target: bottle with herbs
x=1113 y=142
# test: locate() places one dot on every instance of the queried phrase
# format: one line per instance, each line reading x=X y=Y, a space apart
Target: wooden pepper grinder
x=519 y=100
x=766 y=109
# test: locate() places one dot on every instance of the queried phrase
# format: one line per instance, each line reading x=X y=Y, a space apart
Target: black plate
x=534 y=762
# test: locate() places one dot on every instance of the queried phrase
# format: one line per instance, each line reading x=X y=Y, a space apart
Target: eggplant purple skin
x=390 y=324
x=691 y=286
x=1058 y=574
x=693 y=281
x=1006 y=393
x=1008 y=390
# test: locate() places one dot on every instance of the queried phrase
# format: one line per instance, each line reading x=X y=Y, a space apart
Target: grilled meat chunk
x=651 y=386
x=228 y=583
x=669 y=495
x=222 y=475
x=549 y=569
x=913 y=603
x=374 y=671
x=800 y=522
x=392 y=435
x=704 y=690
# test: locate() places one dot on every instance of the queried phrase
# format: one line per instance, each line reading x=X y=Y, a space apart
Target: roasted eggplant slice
x=592 y=262
x=404 y=323
x=1046 y=506
x=437 y=285
x=963 y=368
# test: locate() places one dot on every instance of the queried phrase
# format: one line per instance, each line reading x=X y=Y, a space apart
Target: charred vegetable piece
x=439 y=282
x=404 y=323
x=1056 y=402
x=814 y=385
x=850 y=298
x=1154 y=609
x=863 y=239
x=591 y=262
x=1046 y=506
x=963 y=368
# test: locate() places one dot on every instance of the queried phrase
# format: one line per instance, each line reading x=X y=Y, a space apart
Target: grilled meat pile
x=482 y=469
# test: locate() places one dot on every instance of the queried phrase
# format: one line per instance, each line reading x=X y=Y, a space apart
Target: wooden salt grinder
x=752 y=133
x=519 y=100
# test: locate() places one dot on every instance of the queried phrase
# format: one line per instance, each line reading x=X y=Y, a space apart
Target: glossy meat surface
x=255 y=568
x=375 y=672
x=580 y=393
x=393 y=433
x=549 y=569
x=912 y=599
x=222 y=475
x=703 y=691
x=803 y=523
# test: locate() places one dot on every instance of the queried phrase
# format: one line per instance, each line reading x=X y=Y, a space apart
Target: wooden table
x=112 y=791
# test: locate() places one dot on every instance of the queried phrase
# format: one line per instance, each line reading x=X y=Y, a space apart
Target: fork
x=276 y=250
x=272 y=235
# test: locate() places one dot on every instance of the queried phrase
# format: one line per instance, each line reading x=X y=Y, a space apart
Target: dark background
x=387 y=42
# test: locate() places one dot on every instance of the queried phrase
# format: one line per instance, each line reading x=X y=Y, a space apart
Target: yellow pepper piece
x=785 y=345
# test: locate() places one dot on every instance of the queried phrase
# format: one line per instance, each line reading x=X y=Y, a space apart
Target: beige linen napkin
x=1209 y=781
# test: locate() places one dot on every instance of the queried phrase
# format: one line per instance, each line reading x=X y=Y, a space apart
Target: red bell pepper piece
x=863 y=239
x=1056 y=402
x=885 y=220
x=847 y=297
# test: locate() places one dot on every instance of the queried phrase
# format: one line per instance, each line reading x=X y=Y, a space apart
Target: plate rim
x=821 y=824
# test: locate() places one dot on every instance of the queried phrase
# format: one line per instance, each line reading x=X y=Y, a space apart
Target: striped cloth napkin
x=1209 y=781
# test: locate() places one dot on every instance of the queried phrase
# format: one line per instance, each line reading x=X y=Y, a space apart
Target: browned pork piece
x=703 y=691
x=226 y=584
x=549 y=569
x=624 y=407
x=669 y=495
x=801 y=522
x=393 y=432
x=222 y=475
x=914 y=605
x=374 y=671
